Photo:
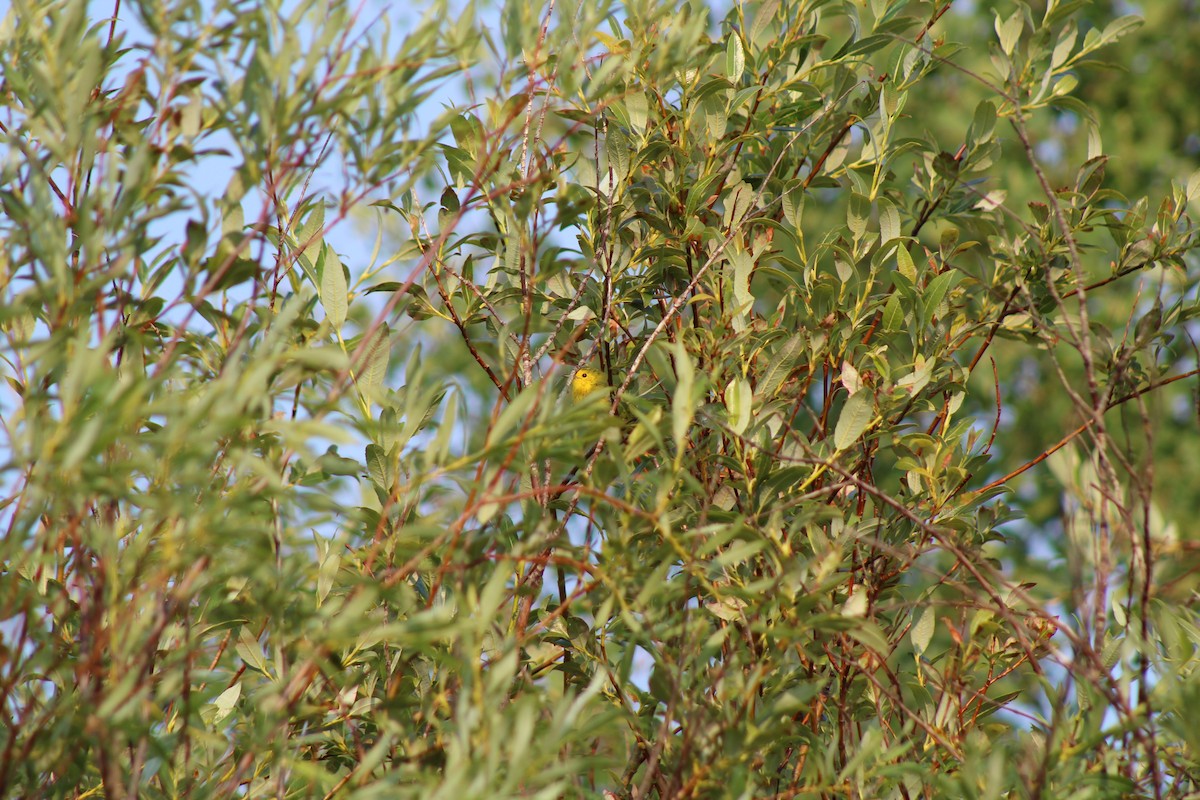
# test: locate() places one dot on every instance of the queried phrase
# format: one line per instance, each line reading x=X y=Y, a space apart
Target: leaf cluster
x=888 y=496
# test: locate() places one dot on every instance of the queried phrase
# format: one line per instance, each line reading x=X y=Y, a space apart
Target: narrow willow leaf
x=922 y=631
x=375 y=360
x=377 y=466
x=739 y=398
x=857 y=214
x=762 y=19
x=309 y=235
x=617 y=148
x=333 y=290
x=1066 y=43
x=330 y=564
x=735 y=58
x=889 y=221
x=893 y=314
x=936 y=294
x=226 y=701
x=251 y=652
x=855 y=417
x=1009 y=31
x=638 y=108
x=743 y=264
x=683 y=406
x=779 y=365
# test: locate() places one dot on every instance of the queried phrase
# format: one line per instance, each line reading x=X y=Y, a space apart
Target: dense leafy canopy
x=888 y=495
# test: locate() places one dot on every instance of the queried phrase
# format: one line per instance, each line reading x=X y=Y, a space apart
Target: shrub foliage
x=888 y=496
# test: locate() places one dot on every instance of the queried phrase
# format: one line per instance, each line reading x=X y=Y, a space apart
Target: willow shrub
x=296 y=504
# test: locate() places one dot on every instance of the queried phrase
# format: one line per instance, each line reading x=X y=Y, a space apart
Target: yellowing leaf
x=739 y=398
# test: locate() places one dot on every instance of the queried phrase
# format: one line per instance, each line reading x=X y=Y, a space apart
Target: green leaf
x=743 y=265
x=1065 y=85
x=780 y=365
x=857 y=214
x=310 y=233
x=739 y=399
x=331 y=562
x=919 y=378
x=618 y=149
x=226 y=701
x=870 y=635
x=889 y=221
x=1009 y=30
x=232 y=222
x=983 y=125
x=375 y=361
x=1090 y=176
x=793 y=206
x=638 y=108
x=1193 y=186
x=1120 y=27
x=735 y=58
x=1066 y=43
x=251 y=652
x=905 y=264
x=922 y=630
x=683 y=403
x=856 y=416
x=865 y=46
x=334 y=290
x=377 y=466
x=935 y=294
x=893 y=314
x=762 y=19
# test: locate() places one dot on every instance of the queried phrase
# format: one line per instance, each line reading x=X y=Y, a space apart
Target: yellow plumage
x=585 y=382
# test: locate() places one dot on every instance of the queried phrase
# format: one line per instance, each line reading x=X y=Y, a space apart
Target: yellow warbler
x=585 y=382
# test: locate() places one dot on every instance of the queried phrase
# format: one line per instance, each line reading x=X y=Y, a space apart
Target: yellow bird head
x=585 y=382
